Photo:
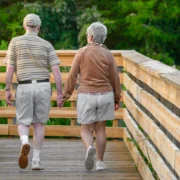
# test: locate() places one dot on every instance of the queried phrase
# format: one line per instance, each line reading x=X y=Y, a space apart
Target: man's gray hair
x=98 y=31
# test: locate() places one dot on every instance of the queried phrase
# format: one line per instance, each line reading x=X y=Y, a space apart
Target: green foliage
x=150 y=27
x=3 y=45
x=85 y=18
x=58 y=22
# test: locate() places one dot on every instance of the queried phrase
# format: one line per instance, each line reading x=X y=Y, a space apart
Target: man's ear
x=38 y=28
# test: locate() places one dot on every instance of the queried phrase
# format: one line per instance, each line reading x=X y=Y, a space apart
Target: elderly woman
x=98 y=93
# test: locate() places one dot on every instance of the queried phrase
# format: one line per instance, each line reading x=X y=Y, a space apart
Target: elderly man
x=98 y=93
x=30 y=57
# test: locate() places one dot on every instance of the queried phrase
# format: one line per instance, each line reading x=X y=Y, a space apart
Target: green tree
x=148 y=26
x=58 y=22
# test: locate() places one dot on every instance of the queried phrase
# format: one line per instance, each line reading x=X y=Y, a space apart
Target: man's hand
x=8 y=98
x=116 y=107
x=60 y=100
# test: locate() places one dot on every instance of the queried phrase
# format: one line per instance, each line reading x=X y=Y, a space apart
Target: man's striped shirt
x=31 y=56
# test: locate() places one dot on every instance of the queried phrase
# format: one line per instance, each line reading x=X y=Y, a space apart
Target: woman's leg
x=87 y=134
x=88 y=139
x=100 y=129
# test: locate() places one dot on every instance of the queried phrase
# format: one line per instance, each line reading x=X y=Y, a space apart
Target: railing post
x=73 y=120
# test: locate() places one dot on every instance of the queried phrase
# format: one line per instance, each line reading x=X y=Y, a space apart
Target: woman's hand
x=116 y=107
x=60 y=100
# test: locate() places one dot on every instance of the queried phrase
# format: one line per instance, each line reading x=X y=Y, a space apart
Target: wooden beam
x=167 y=118
x=148 y=150
x=66 y=57
x=162 y=86
x=138 y=160
x=55 y=112
x=3 y=129
x=64 y=78
x=154 y=132
x=160 y=77
x=71 y=131
x=132 y=87
x=177 y=162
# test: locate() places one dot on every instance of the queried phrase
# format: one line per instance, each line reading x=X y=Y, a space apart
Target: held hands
x=116 y=107
x=8 y=98
x=60 y=100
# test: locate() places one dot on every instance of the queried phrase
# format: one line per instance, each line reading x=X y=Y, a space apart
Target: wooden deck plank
x=64 y=159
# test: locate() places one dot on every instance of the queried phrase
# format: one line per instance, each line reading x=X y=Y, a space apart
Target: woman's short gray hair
x=98 y=31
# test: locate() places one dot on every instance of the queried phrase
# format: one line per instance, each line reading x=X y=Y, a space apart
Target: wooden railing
x=73 y=129
x=152 y=115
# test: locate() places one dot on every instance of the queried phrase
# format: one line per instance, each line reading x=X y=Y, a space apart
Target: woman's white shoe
x=100 y=165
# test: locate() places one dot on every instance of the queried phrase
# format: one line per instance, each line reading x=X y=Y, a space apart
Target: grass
x=147 y=160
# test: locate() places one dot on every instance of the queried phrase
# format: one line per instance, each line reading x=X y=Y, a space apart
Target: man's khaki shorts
x=93 y=108
x=33 y=103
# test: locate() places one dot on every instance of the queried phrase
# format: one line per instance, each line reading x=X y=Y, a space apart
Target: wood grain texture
x=148 y=150
x=66 y=131
x=166 y=117
x=160 y=77
x=64 y=160
x=3 y=129
x=66 y=57
x=154 y=132
x=55 y=112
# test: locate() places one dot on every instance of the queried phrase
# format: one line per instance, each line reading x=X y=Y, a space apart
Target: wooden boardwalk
x=64 y=160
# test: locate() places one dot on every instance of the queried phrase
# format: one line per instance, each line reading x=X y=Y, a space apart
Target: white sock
x=36 y=155
x=24 y=139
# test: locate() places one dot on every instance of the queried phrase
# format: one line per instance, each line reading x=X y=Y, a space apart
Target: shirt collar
x=31 y=33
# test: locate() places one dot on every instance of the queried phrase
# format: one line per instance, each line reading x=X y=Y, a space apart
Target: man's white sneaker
x=100 y=165
x=23 y=158
x=89 y=160
x=36 y=165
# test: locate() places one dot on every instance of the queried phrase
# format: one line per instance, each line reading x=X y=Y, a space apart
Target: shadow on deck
x=64 y=159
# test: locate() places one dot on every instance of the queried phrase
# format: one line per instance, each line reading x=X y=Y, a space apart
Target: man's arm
x=58 y=80
x=9 y=76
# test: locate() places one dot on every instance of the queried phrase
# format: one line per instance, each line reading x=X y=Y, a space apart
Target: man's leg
x=88 y=139
x=100 y=129
x=23 y=131
x=38 y=139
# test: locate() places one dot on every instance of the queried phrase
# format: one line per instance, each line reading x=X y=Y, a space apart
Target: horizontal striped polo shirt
x=31 y=56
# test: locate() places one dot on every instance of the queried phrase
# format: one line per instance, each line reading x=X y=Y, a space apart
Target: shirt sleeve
x=52 y=57
x=10 y=58
x=114 y=79
x=73 y=75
